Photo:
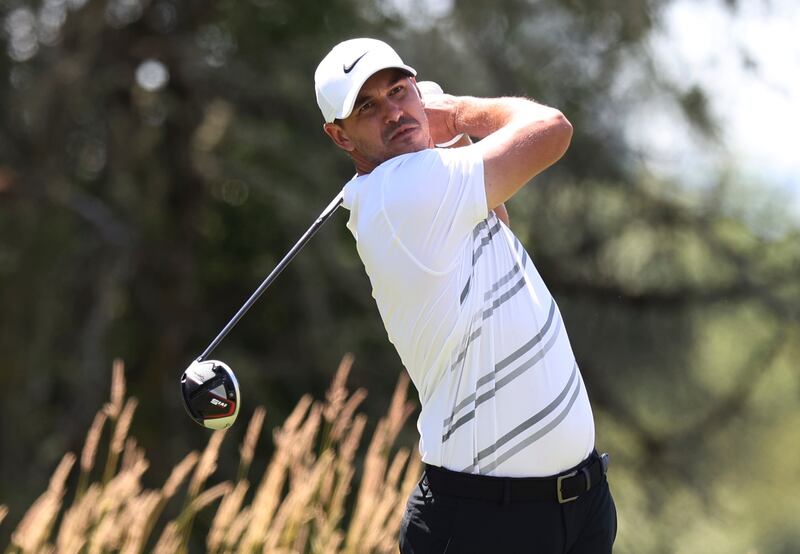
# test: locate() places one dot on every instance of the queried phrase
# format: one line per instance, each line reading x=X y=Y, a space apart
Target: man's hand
x=441 y=110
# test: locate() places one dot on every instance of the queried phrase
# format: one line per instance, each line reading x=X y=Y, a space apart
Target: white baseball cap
x=342 y=73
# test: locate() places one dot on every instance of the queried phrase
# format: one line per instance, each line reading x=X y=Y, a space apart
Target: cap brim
x=363 y=76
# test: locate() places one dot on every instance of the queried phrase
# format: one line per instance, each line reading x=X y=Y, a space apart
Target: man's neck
x=365 y=166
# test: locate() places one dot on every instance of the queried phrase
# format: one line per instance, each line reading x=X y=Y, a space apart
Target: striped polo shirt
x=474 y=324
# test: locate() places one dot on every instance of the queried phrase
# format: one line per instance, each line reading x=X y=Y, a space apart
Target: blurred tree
x=158 y=157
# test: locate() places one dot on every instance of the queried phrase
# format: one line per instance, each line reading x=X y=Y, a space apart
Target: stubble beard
x=393 y=148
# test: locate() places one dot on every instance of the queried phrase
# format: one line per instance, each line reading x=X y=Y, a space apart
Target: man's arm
x=502 y=214
x=520 y=138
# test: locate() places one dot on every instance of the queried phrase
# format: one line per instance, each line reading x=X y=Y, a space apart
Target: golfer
x=506 y=429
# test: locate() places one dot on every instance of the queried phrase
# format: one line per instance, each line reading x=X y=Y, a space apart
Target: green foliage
x=136 y=217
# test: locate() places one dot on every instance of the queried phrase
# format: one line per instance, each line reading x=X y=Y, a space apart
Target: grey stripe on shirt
x=519 y=250
x=530 y=422
x=530 y=439
x=476 y=254
x=499 y=384
x=515 y=355
x=486 y=314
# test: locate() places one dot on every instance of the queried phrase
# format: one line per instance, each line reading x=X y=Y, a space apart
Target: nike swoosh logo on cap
x=349 y=68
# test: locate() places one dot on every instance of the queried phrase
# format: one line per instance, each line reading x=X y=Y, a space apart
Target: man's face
x=388 y=119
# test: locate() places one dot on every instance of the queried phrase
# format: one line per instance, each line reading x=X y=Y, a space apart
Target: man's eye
x=364 y=107
x=396 y=90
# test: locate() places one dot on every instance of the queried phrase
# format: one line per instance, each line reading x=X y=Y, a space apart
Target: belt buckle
x=560 y=494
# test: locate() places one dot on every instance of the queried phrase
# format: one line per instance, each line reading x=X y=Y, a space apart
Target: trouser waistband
x=562 y=488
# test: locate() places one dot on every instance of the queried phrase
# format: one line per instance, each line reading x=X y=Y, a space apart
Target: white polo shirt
x=472 y=321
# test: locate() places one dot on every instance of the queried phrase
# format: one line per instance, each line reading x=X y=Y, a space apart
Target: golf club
x=209 y=388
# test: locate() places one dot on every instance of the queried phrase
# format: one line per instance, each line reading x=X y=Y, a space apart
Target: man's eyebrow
x=360 y=99
x=395 y=78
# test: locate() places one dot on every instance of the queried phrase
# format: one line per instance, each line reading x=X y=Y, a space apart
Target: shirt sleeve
x=433 y=200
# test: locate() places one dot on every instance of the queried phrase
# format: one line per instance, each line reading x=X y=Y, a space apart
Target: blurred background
x=158 y=157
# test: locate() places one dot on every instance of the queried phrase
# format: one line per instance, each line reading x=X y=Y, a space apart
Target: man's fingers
x=429 y=88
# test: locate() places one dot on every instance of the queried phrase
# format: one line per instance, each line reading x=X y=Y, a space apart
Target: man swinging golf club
x=507 y=433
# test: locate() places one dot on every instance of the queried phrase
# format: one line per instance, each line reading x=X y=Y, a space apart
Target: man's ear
x=338 y=136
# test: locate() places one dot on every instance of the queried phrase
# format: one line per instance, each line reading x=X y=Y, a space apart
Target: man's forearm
x=519 y=138
x=502 y=214
x=480 y=117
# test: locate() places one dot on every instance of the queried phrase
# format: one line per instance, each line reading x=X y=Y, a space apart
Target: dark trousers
x=436 y=523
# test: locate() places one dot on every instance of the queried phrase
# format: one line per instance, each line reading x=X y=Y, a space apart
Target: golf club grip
x=319 y=222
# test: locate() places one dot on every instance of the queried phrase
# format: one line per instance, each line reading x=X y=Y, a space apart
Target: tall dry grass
x=299 y=505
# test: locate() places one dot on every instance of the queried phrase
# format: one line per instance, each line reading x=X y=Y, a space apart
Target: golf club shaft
x=320 y=221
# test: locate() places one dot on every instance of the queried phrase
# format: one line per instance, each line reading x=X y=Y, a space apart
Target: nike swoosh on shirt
x=349 y=68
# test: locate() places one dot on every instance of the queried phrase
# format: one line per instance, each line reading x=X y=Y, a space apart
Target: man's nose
x=392 y=111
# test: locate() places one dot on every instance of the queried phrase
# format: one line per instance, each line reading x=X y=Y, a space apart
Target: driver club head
x=210 y=393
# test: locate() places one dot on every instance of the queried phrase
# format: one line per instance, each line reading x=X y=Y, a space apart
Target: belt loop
x=587 y=478
x=506 y=492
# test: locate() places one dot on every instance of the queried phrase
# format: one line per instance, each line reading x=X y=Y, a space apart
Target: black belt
x=562 y=488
